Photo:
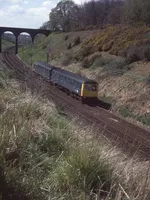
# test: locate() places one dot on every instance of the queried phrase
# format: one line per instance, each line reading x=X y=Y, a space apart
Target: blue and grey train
x=76 y=85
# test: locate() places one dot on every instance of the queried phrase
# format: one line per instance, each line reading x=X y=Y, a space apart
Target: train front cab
x=89 y=90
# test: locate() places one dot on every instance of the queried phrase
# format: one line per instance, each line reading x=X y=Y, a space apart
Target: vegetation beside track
x=116 y=56
x=6 y=44
x=44 y=155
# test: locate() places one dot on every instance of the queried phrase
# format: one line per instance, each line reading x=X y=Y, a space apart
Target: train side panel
x=67 y=82
x=80 y=86
x=43 y=71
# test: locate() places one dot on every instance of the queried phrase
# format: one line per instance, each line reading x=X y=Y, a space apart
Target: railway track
x=125 y=135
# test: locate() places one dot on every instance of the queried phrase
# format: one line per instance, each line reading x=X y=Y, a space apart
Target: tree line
x=68 y=16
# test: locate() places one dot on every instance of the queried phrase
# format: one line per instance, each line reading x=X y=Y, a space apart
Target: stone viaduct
x=18 y=31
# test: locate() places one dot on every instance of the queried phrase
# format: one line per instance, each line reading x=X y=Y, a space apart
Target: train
x=73 y=84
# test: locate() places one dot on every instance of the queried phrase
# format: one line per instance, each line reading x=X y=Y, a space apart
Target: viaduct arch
x=18 y=31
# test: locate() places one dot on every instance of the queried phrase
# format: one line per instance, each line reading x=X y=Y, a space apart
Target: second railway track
x=129 y=137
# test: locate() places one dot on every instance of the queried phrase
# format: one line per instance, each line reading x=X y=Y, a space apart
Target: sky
x=26 y=13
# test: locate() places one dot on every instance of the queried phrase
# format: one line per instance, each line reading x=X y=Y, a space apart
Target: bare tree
x=63 y=15
x=68 y=16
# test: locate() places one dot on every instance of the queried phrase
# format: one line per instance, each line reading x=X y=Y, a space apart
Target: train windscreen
x=90 y=87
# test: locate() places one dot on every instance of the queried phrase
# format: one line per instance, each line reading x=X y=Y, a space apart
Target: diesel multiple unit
x=74 y=84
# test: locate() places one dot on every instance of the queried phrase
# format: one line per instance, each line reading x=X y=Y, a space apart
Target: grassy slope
x=45 y=156
x=123 y=83
x=6 y=44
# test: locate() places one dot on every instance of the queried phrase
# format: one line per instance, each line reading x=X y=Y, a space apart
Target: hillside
x=116 y=56
x=6 y=44
x=45 y=155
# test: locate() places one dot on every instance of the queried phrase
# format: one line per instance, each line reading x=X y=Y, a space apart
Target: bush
x=113 y=67
x=88 y=61
x=145 y=119
x=85 y=51
x=108 y=46
x=125 y=112
x=85 y=63
x=137 y=52
x=133 y=55
x=69 y=46
x=66 y=37
x=67 y=58
x=147 y=53
x=146 y=79
x=94 y=56
x=99 y=62
x=3 y=81
x=44 y=46
x=76 y=41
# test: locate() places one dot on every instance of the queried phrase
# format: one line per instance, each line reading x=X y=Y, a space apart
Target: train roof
x=44 y=64
x=66 y=73
x=76 y=76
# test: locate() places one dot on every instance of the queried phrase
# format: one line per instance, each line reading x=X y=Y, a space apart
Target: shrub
x=133 y=55
x=2 y=107
x=44 y=46
x=88 y=61
x=119 y=67
x=3 y=81
x=108 y=46
x=69 y=46
x=76 y=41
x=113 y=67
x=145 y=119
x=85 y=63
x=85 y=51
x=94 y=56
x=136 y=53
x=125 y=112
x=146 y=79
x=99 y=62
x=147 y=53
x=67 y=58
x=66 y=37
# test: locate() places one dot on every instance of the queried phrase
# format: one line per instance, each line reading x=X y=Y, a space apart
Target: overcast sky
x=26 y=13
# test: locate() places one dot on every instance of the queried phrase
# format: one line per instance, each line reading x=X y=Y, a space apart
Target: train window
x=87 y=87
x=94 y=87
x=90 y=87
x=77 y=83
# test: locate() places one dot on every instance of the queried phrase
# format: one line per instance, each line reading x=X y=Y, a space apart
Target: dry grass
x=127 y=85
x=45 y=156
x=130 y=88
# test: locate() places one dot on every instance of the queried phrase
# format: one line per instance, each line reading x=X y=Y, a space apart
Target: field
x=45 y=155
x=117 y=57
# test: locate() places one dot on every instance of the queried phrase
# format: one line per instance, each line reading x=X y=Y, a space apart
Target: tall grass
x=45 y=156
